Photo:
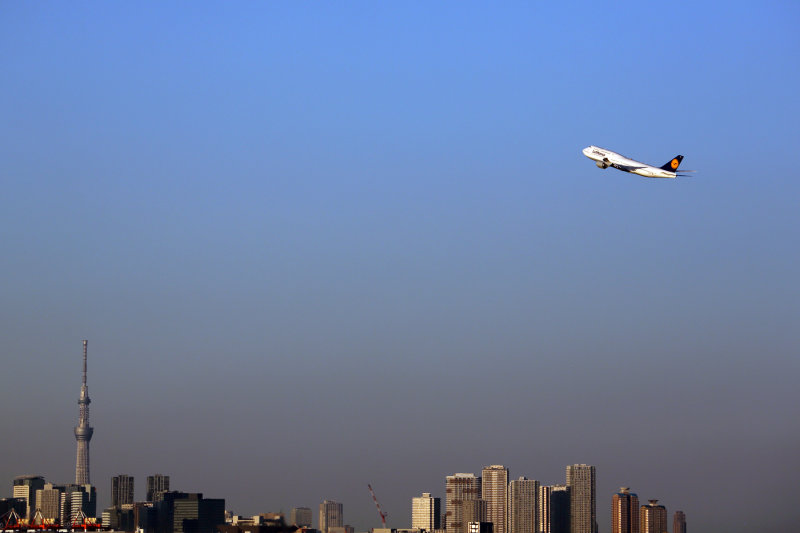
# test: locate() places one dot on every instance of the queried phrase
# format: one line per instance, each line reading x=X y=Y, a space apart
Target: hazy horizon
x=318 y=246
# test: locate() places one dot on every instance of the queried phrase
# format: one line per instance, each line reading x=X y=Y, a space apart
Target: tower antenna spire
x=83 y=431
x=85 y=350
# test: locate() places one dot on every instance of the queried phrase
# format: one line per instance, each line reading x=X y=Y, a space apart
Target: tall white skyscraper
x=523 y=512
x=331 y=514
x=583 y=511
x=459 y=487
x=494 y=487
x=425 y=512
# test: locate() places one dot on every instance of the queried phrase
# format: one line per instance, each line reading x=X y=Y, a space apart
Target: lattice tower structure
x=83 y=432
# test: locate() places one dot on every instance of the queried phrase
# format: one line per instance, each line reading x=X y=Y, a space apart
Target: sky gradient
x=320 y=245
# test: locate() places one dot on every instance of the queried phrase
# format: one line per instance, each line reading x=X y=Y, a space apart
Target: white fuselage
x=606 y=158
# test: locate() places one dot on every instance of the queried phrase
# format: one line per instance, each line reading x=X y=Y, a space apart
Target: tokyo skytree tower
x=83 y=432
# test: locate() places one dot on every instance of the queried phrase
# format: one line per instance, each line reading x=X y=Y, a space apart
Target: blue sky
x=316 y=246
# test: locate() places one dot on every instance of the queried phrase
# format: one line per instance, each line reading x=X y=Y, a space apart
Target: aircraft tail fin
x=673 y=164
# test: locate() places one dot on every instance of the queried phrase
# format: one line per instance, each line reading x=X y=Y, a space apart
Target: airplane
x=606 y=158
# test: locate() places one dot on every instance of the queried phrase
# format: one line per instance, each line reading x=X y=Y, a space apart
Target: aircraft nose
x=586 y=150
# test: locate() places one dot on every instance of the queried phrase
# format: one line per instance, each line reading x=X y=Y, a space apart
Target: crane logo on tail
x=674 y=163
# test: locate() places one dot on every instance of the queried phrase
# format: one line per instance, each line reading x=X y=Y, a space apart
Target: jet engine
x=602 y=164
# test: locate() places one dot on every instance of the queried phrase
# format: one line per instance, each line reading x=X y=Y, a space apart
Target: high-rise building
x=155 y=485
x=494 y=489
x=475 y=511
x=560 y=509
x=65 y=512
x=83 y=499
x=425 y=512
x=83 y=432
x=458 y=488
x=121 y=490
x=523 y=511
x=625 y=512
x=543 y=509
x=25 y=487
x=301 y=517
x=48 y=501
x=583 y=508
x=653 y=518
x=331 y=514
x=679 y=522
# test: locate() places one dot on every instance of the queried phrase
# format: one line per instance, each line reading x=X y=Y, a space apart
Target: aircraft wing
x=626 y=168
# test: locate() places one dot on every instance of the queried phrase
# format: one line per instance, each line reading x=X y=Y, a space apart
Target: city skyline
x=490 y=497
x=527 y=504
x=320 y=247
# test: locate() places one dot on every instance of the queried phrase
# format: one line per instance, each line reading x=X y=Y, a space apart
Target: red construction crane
x=380 y=512
x=10 y=520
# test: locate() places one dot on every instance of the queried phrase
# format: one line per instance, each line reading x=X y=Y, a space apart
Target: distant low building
x=25 y=487
x=301 y=517
x=679 y=522
x=48 y=501
x=145 y=517
x=480 y=527
x=263 y=519
x=426 y=512
x=342 y=529
x=331 y=514
x=18 y=504
x=263 y=523
x=184 y=512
